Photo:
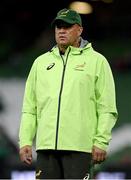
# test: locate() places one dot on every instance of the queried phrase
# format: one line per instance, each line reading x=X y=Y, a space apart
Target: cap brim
x=57 y=20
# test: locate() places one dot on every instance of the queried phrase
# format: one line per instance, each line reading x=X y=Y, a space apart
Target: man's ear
x=80 y=30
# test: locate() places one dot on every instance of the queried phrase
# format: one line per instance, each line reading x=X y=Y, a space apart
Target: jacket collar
x=74 y=50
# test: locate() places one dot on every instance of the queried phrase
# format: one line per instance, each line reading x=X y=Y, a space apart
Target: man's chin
x=64 y=45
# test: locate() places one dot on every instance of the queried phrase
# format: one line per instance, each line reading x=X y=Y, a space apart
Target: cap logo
x=64 y=13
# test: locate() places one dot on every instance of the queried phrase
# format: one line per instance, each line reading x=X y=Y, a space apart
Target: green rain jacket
x=69 y=101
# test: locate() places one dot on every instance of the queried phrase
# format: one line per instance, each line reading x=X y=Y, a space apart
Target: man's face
x=67 y=34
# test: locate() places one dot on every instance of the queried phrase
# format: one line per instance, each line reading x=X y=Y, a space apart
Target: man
x=69 y=105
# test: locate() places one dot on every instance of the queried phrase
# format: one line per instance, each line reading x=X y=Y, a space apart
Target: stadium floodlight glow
x=81 y=7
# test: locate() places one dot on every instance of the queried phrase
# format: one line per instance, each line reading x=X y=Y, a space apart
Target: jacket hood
x=83 y=43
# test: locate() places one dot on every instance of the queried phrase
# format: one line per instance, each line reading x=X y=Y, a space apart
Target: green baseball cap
x=69 y=16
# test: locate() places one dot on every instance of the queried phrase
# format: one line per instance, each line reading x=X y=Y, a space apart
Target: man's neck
x=62 y=49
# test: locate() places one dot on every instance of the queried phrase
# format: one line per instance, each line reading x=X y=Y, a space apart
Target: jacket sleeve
x=105 y=105
x=28 y=120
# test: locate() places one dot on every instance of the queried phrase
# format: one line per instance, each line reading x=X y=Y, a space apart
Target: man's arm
x=106 y=111
x=28 y=123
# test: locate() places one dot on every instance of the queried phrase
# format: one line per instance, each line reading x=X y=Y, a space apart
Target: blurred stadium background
x=25 y=33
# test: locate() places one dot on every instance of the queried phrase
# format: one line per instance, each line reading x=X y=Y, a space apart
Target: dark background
x=24 y=21
x=26 y=32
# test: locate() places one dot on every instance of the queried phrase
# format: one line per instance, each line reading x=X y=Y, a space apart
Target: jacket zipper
x=59 y=102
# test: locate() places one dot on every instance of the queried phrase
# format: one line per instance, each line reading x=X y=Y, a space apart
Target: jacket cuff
x=27 y=143
x=101 y=145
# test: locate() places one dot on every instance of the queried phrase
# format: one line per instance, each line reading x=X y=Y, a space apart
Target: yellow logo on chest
x=80 y=67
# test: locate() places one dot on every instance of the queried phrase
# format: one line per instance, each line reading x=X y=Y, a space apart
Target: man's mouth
x=62 y=37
